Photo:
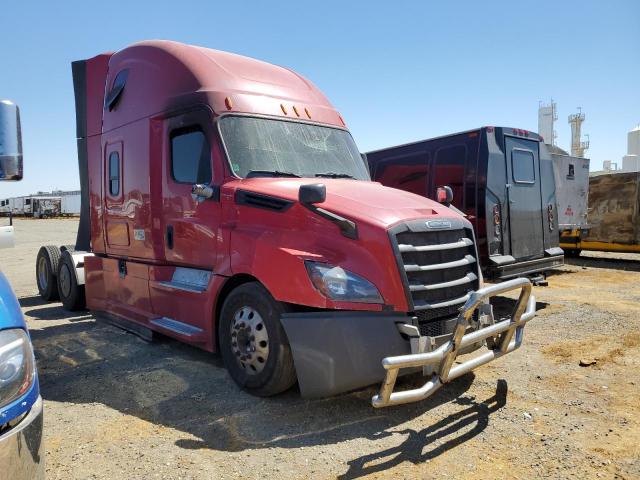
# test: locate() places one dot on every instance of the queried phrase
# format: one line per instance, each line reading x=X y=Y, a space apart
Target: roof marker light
x=306 y=110
x=296 y=111
x=228 y=103
x=283 y=108
x=340 y=117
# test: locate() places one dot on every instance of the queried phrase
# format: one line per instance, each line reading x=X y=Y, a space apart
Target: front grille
x=439 y=268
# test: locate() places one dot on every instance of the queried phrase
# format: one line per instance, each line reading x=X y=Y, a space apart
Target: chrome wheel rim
x=249 y=340
x=42 y=273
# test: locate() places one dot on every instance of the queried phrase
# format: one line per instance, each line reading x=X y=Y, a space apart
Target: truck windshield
x=261 y=145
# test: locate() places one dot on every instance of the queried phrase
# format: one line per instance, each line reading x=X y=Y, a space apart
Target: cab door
x=526 y=226
x=180 y=287
x=190 y=224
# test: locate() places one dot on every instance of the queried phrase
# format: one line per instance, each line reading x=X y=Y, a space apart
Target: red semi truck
x=225 y=204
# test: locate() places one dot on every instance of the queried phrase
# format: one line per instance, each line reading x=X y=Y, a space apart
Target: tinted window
x=572 y=171
x=190 y=157
x=522 y=163
x=115 y=93
x=27 y=201
x=114 y=174
x=449 y=170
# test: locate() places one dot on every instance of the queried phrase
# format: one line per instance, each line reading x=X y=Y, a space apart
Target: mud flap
x=335 y=352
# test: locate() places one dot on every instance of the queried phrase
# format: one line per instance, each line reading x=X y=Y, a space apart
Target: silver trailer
x=572 y=192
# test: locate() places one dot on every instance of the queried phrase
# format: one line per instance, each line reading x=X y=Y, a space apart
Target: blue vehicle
x=21 y=446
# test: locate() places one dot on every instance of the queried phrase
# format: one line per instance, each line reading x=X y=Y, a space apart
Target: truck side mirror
x=312 y=193
x=10 y=141
x=444 y=195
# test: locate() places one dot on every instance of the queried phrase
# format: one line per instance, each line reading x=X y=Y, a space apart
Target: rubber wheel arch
x=279 y=373
x=51 y=253
x=75 y=300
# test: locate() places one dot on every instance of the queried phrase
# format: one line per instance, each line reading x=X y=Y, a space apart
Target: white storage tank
x=631 y=161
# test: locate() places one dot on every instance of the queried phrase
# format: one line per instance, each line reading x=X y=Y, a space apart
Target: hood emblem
x=438 y=224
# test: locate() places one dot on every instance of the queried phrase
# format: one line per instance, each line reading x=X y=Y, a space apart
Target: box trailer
x=70 y=204
x=17 y=206
x=45 y=206
x=225 y=204
x=572 y=193
x=613 y=213
x=501 y=178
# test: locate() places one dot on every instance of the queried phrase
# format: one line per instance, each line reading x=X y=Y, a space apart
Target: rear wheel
x=71 y=294
x=253 y=344
x=46 y=271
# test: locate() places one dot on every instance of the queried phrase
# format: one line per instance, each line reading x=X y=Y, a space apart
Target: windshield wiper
x=334 y=175
x=271 y=173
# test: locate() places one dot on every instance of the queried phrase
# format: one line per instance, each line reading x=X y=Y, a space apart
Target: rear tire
x=47 y=262
x=69 y=248
x=253 y=344
x=71 y=294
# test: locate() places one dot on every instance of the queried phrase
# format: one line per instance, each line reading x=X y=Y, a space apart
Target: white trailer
x=16 y=206
x=45 y=206
x=572 y=192
x=70 y=204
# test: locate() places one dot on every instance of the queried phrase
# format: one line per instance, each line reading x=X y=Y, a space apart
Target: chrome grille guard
x=443 y=357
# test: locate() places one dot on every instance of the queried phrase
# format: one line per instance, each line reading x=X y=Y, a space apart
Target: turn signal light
x=550 y=216
x=228 y=103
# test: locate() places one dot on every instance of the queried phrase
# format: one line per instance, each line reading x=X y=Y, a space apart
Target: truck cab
x=21 y=417
x=225 y=204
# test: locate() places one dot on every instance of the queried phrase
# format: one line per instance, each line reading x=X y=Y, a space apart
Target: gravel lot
x=119 y=408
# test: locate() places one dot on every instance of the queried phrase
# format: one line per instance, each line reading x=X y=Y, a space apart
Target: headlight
x=16 y=365
x=341 y=285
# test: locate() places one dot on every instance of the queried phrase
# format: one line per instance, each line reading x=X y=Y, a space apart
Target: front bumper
x=335 y=352
x=503 y=267
x=21 y=448
x=499 y=339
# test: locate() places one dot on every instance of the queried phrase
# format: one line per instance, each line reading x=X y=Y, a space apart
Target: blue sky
x=397 y=71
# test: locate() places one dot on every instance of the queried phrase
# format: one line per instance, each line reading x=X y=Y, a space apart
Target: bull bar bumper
x=502 y=338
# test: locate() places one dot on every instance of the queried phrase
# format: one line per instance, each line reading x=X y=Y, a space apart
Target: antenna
x=578 y=146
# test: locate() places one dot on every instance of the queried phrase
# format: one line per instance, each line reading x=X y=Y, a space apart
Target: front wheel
x=253 y=344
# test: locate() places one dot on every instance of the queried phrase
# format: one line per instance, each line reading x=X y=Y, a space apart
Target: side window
x=190 y=156
x=27 y=201
x=449 y=170
x=112 y=98
x=522 y=164
x=114 y=174
x=572 y=171
x=406 y=173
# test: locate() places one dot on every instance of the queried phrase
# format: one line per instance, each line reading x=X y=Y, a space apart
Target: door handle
x=170 y=237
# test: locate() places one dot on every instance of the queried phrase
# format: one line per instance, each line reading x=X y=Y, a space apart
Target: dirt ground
x=119 y=408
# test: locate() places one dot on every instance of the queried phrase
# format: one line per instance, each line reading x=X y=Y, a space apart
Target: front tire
x=71 y=294
x=46 y=272
x=253 y=344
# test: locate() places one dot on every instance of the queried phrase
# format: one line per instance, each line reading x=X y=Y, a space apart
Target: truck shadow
x=437 y=438
x=180 y=387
